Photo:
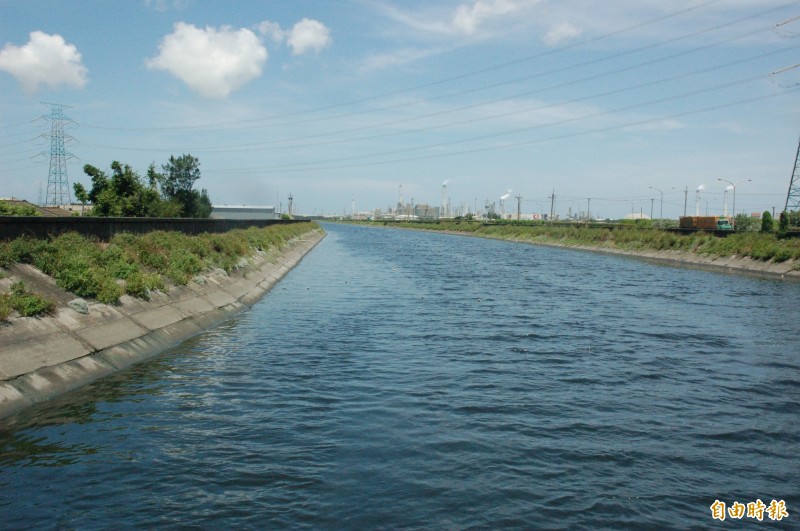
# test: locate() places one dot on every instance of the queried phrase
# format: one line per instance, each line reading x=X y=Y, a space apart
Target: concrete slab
x=159 y=317
x=98 y=313
x=111 y=333
x=193 y=307
x=131 y=352
x=49 y=382
x=26 y=328
x=12 y=400
x=239 y=288
x=219 y=298
x=254 y=295
x=210 y=318
x=24 y=357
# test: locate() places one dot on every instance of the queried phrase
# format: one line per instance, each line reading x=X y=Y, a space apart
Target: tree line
x=169 y=193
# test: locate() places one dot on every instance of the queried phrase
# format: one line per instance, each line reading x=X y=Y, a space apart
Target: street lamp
x=725 y=200
x=734 y=196
x=661 y=208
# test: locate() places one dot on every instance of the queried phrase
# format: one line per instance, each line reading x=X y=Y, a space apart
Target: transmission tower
x=57 y=183
x=793 y=197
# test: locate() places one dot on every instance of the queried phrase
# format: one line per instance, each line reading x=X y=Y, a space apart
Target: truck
x=705 y=223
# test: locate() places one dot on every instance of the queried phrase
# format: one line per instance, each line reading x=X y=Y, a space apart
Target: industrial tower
x=793 y=197
x=57 y=183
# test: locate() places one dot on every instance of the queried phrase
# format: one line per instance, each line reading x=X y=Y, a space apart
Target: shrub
x=5 y=306
x=182 y=266
x=7 y=209
x=90 y=269
x=783 y=223
x=29 y=304
x=766 y=222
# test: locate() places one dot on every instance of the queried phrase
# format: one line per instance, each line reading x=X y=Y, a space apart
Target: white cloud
x=309 y=35
x=44 y=60
x=474 y=18
x=560 y=33
x=395 y=58
x=213 y=62
x=306 y=36
x=469 y=17
x=272 y=30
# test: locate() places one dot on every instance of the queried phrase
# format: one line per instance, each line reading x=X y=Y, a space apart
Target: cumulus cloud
x=306 y=36
x=213 y=62
x=44 y=60
x=560 y=33
x=309 y=36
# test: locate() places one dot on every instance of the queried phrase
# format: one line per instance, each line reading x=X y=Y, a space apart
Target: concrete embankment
x=786 y=270
x=724 y=264
x=41 y=358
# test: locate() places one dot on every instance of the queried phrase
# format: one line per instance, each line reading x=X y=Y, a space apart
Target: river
x=399 y=379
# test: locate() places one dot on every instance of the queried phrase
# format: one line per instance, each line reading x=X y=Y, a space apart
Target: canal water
x=400 y=379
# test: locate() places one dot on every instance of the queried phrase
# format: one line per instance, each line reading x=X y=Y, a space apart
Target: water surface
x=398 y=379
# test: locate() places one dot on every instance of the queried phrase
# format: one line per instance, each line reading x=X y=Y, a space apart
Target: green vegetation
x=7 y=209
x=630 y=237
x=26 y=303
x=767 y=224
x=123 y=193
x=139 y=264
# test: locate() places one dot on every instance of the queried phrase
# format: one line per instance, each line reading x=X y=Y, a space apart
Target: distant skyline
x=600 y=103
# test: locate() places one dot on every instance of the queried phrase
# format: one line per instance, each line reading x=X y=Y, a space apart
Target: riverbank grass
x=138 y=264
x=761 y=246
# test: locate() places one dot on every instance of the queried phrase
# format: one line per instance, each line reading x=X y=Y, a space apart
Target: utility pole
x=58 y=192
x=552 y=204
x=588 y=209
x=652 y=199
x=519 y=201
x=291 y=202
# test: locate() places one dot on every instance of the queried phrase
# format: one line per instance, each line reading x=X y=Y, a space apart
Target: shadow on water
x=109 y=399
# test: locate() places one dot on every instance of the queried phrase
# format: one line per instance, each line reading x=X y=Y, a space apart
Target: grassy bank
x=138 y=264
x=755 y=245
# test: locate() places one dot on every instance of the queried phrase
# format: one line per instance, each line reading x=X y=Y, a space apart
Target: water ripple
x=406 y=380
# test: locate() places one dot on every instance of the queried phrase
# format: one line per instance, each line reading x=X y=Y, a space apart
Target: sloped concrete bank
x=41 y=358
x=724 y=264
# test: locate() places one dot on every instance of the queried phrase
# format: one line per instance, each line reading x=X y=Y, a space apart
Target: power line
x=338 y=133
x=510 y=145
x=530 y=128
x=446 y=80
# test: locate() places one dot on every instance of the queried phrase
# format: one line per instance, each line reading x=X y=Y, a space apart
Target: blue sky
x=335 y=100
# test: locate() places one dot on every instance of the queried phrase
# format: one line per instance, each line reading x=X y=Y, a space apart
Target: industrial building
x=243 y=212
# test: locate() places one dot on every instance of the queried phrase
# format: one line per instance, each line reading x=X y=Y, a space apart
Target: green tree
x=177 y=184
x=124 y=194
x=766 y=222
x=783 y=224
x=744 y=222
x=81 y=195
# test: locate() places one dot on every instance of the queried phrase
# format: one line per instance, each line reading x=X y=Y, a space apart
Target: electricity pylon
x=58 y=192
x=793 y=197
